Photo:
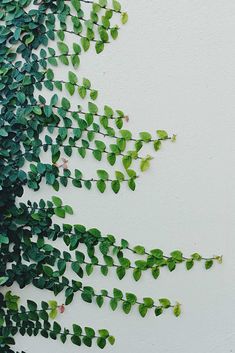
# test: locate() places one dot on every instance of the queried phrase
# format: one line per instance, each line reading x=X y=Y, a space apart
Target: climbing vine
x=38 y=123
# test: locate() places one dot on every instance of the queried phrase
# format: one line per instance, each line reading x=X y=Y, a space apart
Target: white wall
x=171 y=68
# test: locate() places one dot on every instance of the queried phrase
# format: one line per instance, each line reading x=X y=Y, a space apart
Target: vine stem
x=102 y=7
x=93 y=180
x=96 y=114
x=62 y=81
x=79 y=35
x=80 y=19
x=66 y=332
x=107 y=135
x=106 y=295
x=89 y=149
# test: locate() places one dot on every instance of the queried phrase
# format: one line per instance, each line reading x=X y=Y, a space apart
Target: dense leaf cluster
x=35 y=37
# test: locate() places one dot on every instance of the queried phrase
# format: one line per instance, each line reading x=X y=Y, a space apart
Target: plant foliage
x=39 y=124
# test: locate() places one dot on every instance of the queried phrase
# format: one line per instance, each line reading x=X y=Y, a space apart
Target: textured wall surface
x=171 y=68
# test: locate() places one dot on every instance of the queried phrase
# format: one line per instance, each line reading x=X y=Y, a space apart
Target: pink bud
x=61 y=308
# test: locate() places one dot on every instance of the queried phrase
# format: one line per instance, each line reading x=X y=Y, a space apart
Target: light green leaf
x=57 y=201
x=102 y=174
x=162 y=134
x=124 y=18
x=72 y=78
x=63 y=48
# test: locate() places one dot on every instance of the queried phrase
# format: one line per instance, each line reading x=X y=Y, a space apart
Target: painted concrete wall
x=171 y=68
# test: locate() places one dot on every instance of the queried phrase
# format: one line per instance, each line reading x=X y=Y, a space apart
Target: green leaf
x=145 y=164
x=93 y=94
x=111 y=340
x=100 y=145
x=162 y=134
x=158 y=310
x=72 y=78
x=31 y=305
x=70 y=88
x=177 y=255
x=101 y=342
x=130 y=297
x=57 y=201
x=29 y=39
x=68 y=209
x=155 y=272
x=177 y=310
x=115 y=185
x=52 y=61
x=76 y=4
x=208 y=264
x=90 y=332
x=89 y=269
x=63 y=48
x=113 y=304
x=48 y=270
x=76 y=48
x=148 y=302
x=85 y=43
x=99 y=47
x=103 y=3
x=116 y=5
x=56 y=328
x=131 y=184
x=119 y=176
x=82 y=92
x=93 y=109
x=108 y=260
x=53 y=314
x=87 y=341
x=171 y=264
x=196 y=257
x=120 y=272
x=126 y=161
x=65 y=103
x=103 y=333
x=3 y=280
x=61 y=35
x=189 y=264
x=145 y=136
x=4 y=239
x=59 y=212
x=97 y=154
x=143 y=310
x=124 y=18
x=126 y=306
x=37 y=110
x=140 y=250
x=75 y=61
x=117 y=293
x=137 y=274
x=101 y=185
x=76 y=340
x=64 y=59
x=53 y=304
x=103 y=35
x=158 y=253
x=141 y=264
x=114 y=32
x=99 y=301
x=111 y=158
x=126 y=134
x=157 y=145
x=77 y=330
x=108 y=111
x=165 y=303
